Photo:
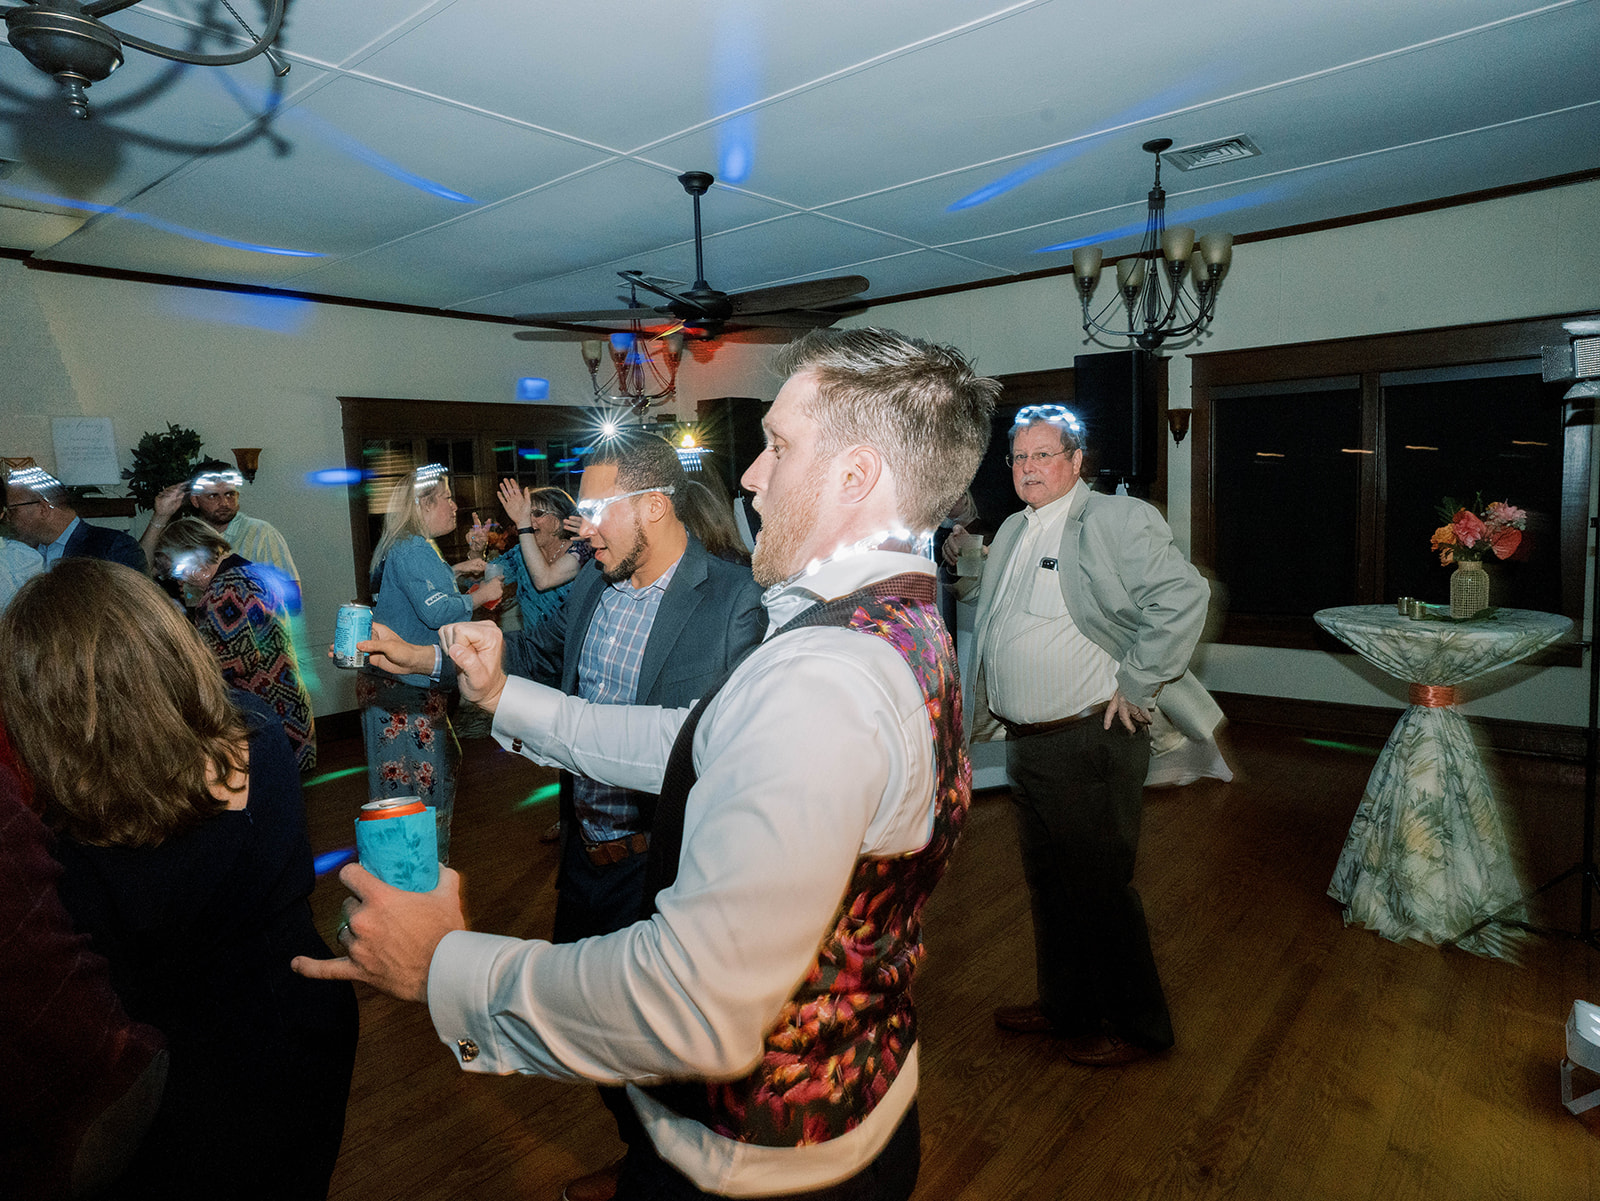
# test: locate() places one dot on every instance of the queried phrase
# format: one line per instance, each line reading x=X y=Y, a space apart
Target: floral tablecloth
x=1427 y=856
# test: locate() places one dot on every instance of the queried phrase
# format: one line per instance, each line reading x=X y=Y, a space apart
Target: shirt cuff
x=438 y=663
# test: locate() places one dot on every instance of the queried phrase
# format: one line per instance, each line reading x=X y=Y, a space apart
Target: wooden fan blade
x=555 y=335
x=808 y=294
x=789 y=319
x=579 y=316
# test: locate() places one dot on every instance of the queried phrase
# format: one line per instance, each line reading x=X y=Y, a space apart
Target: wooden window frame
x=367 y=417
x=1370 y=357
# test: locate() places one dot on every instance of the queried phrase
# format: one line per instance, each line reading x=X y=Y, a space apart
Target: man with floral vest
x=760 y=1010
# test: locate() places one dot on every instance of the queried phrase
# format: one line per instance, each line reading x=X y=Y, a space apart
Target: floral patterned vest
x=838 y=1043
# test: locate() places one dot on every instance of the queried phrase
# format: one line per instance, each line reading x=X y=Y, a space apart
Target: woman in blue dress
x=547 y=554
x=411 y=748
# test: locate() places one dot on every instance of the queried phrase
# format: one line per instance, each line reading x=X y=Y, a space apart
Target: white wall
x=1523 y=256
x=249 y=371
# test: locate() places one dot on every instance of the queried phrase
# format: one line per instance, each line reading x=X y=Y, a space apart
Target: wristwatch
x=525 y=529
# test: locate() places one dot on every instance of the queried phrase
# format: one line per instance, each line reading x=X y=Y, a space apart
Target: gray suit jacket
x=1131 y=592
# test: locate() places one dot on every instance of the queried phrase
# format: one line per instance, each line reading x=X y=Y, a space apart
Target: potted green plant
x=160 y=460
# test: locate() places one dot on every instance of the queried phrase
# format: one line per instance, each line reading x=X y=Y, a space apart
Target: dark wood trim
x=1446 y=346
x=1372 y=721
x=214 y=285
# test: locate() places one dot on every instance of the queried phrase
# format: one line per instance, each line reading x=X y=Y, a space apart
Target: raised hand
x=517 y=501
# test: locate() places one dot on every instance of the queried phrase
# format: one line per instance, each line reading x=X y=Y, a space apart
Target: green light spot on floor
x=1343 y=746
x=548 y=793
x=333 y=775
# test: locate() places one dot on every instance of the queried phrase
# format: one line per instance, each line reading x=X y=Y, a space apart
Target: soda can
x=397 y=841
x=354 y=625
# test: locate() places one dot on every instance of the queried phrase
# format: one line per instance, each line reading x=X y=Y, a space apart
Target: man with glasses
x=1087 y=613
x=762 y=1012
x=652 y=620
x=38 y=508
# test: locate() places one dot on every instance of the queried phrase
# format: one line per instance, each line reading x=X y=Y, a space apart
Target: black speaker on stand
x=1115 y=396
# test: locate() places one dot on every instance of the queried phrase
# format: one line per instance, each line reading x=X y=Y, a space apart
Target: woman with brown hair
x=186 y=860
x=241 y=610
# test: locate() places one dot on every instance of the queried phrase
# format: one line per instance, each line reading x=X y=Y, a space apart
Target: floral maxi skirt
x=411 y=748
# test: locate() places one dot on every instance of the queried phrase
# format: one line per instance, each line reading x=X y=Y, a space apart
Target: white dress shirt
x=1038 y=665
x=815 y=753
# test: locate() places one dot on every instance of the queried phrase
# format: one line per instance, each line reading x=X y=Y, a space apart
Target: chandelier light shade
x=68 y=40
x=644 y=367
x=1168 y=289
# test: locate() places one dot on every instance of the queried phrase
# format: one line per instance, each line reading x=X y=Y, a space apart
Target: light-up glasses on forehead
x=1057 y=414
x=592 y=510
x=227 y=479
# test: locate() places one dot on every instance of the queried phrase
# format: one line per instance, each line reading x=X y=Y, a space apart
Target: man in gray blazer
x=1087 y=614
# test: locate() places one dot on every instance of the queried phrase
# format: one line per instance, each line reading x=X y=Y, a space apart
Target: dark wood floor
x=1313 y=1061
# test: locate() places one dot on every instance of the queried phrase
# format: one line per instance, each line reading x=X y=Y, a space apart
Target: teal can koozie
x=397 y=840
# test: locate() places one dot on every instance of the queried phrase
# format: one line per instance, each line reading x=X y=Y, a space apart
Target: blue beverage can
x=354 y=625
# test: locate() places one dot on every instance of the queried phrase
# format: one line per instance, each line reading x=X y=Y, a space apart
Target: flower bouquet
x=1468 y=537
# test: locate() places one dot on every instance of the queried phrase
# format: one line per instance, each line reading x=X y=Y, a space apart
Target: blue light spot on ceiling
x=621 y=340
x=113 y=210
x=335 y=477
x=1185 y=216
x=258 y=99
x=1178 y=96
x=531 y=387
x=736 y=71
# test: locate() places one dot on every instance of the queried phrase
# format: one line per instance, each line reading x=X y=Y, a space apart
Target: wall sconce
x=248 y=458
x=1178 y=423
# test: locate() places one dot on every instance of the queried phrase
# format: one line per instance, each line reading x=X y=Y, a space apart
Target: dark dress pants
x=1078 y=794
x=595 y=900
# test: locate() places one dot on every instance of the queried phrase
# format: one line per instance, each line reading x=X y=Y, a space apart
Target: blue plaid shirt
x=608 y=674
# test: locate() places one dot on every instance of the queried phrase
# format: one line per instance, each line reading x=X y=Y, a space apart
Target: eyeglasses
x=1057 y=414
x=1037 y=458
x=593 y=510
x=21 y=504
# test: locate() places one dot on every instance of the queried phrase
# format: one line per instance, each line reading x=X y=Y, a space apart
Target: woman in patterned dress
x=241 y=610
x=411 y=748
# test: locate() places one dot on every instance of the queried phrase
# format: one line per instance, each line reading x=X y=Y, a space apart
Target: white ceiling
x=509 y=156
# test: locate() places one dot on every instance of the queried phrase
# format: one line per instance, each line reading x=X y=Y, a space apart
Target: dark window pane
x=1288 y=500
x=1498 y=437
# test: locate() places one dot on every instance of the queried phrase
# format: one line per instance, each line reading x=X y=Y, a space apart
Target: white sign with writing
x=86 y=450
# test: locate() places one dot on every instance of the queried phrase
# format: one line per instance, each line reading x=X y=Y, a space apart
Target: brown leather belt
x=604 y=854
x=1017 y=729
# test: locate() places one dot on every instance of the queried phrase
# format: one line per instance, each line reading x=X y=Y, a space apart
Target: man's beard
x=786 y=527
x=629 y=563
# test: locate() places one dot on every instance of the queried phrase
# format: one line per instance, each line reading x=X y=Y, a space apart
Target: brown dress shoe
x=1103 y=1050
x=596 y=1186
x=1024 y=1019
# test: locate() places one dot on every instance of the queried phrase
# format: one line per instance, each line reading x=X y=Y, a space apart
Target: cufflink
x=468 y=1049
x=516 y=746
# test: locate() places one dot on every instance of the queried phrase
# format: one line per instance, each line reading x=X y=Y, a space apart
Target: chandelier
x=644 y=365
x=69 y=41
x=1168 y=288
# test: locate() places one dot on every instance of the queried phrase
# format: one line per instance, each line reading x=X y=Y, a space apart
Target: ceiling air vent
x=1209 y=154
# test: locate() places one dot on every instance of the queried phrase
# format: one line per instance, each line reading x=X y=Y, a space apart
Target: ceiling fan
x=702 y=311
